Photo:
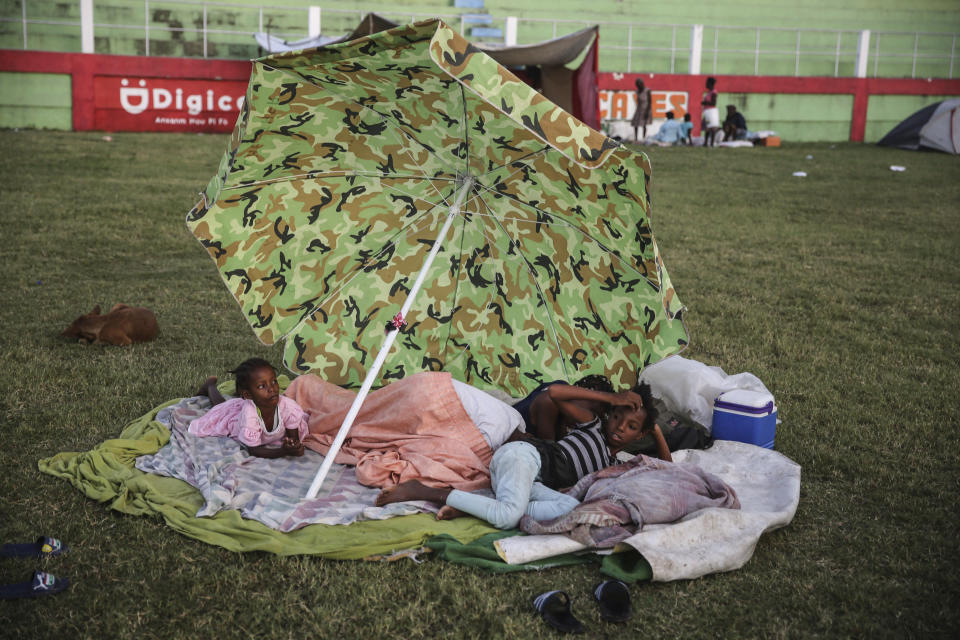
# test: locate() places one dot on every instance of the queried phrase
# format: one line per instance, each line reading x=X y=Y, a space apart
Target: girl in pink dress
x=268 y=424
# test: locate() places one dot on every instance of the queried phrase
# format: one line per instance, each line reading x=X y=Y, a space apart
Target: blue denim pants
x=513 y=475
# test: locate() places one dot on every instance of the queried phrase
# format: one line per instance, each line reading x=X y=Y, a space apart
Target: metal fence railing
x=197 y=28
x=835 y=48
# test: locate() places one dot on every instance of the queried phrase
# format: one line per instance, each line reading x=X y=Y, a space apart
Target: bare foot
x=410 y=490
x=204 y=389
x=449 y=513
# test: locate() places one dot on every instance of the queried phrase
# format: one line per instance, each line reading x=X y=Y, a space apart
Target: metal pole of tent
x=374 y=371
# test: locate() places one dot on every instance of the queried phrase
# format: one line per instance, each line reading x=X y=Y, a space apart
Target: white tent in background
x=370 y=24
x=934 y=127
x=273 y=44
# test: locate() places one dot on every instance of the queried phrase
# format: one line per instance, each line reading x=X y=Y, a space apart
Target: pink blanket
x=414 y=428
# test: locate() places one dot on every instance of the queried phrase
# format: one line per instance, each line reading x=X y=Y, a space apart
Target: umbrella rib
x=522 y=162
x=519 y=160
x=561 y=222
x=341 y=174
x=424 y=173
x=332 y=294
x=414 y=196
x=493 y=246
x=465 y=129
x=403 y=231
x=456 y=287
x=536 y=283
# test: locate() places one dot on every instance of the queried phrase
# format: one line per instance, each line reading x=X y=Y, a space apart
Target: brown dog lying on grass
x=121 y=326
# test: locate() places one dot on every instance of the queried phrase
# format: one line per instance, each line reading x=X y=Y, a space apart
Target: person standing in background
x=711 y=114
x=642 y=114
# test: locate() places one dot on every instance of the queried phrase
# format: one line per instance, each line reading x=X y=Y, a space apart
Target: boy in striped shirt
x=526 y=472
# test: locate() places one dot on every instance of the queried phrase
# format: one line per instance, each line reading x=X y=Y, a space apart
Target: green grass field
x=840 y=290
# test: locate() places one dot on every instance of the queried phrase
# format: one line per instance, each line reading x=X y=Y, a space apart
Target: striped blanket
x=267 y=490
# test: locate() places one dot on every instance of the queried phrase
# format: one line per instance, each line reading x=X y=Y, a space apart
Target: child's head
x=625 y=425
x=595 y=382
x=257 y=380
x=639 y=84
x=670 y=115
x=711 y=82
x=686 y=117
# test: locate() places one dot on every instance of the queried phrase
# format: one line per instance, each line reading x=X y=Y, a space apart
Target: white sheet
x=710 y=540
x=690 y=387
x=495 y=419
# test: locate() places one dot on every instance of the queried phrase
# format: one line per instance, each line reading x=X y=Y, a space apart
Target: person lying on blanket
x=268 y=424
x=554 y=408
x=525 y=473
x=425 y=426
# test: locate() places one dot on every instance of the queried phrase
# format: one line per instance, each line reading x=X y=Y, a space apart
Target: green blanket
x=107 y=474
x=628 y=566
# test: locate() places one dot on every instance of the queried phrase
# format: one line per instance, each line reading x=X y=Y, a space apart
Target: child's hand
x=652 y=430
x=292 y=446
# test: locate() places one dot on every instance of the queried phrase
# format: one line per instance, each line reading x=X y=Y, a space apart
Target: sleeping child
x=526 y=473
x=555 y=408
x=268 y=424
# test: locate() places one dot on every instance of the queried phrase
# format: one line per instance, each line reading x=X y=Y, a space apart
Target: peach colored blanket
x=414 y=428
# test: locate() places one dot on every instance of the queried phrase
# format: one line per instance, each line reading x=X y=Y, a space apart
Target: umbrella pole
x=374 y=371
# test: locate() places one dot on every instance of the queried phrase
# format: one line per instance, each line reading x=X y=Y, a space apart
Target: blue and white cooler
x=745 y=416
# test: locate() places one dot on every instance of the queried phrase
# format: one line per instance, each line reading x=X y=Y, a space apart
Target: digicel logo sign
x=163 y=104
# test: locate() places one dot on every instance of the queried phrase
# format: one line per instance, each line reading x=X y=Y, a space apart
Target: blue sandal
x=44 y=547
x=613 y=597
x=42 y=584
x=554 y=608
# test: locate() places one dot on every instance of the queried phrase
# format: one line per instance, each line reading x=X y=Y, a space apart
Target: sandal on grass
x=42 y=584
x=554 y=608
x=44 y=547
x=613 y=597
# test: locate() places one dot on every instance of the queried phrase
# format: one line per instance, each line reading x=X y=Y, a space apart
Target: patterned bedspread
x=270 y=491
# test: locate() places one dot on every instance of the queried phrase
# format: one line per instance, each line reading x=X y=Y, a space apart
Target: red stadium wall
x=681 y=93
x=137 y=93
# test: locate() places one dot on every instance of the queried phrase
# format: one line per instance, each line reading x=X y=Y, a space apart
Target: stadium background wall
x=48 y=84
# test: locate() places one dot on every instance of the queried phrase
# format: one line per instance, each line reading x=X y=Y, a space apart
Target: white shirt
x=496 y=420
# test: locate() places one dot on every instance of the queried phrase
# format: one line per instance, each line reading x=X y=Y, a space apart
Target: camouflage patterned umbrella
x=341 y=182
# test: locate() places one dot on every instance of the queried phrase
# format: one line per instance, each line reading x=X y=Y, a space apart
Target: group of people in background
x=676 y=132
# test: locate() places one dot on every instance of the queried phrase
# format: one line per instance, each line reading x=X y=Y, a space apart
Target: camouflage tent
x=346 y=161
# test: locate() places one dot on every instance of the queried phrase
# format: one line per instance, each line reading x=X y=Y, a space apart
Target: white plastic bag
x=689 y=387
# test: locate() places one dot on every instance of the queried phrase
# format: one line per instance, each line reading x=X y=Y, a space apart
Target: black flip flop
x=554 y=608
x=613 y=597
x=44 y=547
x=41 y=584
